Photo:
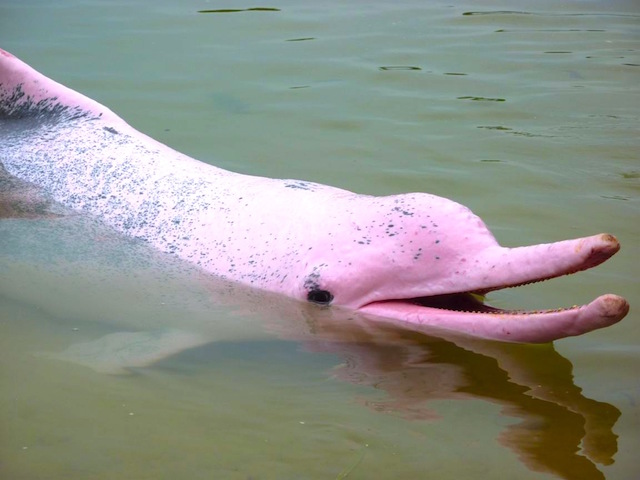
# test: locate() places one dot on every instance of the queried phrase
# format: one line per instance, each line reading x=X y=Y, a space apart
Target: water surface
x=525 y=112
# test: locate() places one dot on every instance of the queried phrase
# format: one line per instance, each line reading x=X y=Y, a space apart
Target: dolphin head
x=426 y=260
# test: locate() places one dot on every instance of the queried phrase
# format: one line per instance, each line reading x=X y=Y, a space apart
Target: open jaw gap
x=475 y=301
x=472 y=302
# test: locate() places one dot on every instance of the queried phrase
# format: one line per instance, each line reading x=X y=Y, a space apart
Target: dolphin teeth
x=473 y=303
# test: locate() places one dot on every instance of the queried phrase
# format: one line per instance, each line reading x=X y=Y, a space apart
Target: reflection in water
x=560 y=431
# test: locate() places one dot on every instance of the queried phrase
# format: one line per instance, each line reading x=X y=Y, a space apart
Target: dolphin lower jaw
x=464 y=313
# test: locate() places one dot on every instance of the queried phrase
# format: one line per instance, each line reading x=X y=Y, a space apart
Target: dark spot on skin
x=403 y=212
x=16 y=105
x=321 y=297
x=300 y=185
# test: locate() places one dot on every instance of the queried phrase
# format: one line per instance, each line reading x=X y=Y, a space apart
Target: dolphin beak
x=456 y=303
x=500 y=267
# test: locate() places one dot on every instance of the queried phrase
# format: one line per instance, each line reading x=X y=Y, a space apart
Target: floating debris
x=400 y=67
x=630 y=175
x=614 y=197
x=233 y=10
x=481 y=99
x=499 y=12
x=494 y=127
x=556 y=30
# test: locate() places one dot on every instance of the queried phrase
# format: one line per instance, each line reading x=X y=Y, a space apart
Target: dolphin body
x=414 y=259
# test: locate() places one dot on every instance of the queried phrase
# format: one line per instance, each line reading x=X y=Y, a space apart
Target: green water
x=527 y=112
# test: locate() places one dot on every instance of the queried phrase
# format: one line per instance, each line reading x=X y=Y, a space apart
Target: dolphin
x=414 y=259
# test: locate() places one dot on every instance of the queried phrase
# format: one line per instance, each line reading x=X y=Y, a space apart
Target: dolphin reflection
x=560 y=430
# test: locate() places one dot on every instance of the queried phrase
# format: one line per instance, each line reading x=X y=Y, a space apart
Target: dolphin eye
x=321 y=297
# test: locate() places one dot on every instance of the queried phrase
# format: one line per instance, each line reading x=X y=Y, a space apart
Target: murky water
x=526 y=112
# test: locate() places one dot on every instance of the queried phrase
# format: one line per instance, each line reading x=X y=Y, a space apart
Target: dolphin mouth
x=471 y=304
x=466 y=311
x=474 y=303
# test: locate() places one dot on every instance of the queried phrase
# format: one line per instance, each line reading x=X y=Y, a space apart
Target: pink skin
x=408 y=258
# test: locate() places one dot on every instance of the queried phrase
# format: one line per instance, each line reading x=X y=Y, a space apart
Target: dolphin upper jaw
x=461 y=270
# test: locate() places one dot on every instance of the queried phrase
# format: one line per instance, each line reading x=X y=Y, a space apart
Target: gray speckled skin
x=302 y=239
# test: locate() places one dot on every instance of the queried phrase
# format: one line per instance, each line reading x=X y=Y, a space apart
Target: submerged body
x=414 y=258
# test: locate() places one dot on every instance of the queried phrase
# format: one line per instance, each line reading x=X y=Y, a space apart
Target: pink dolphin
x=414 y=258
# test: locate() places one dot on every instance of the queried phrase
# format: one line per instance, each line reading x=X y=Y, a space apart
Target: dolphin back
x=28 y=94
x=82 y=155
